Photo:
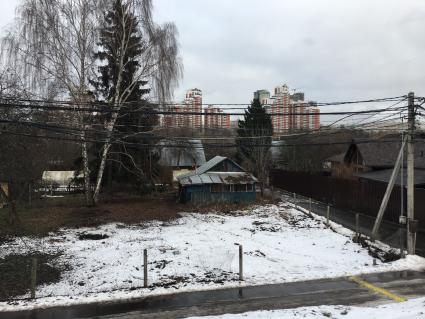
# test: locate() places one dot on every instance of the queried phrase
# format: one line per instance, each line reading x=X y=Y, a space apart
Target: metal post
x=401 y=243
x=328 y=214
x=33 y=277
x=145 y=268
x=357 y=227
x=240 y=263
x=411 y=174
x=311 y=210
x=29 y=194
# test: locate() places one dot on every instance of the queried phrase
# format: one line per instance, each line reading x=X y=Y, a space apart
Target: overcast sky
x=331 y=50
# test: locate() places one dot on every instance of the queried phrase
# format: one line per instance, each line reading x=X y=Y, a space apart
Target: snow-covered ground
x=197 y=252
x=412 y=309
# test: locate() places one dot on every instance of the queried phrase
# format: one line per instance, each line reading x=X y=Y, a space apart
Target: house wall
x=179 y=171
x=201 y=194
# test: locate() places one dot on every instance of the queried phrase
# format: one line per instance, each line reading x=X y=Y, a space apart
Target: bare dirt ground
x=52 y=214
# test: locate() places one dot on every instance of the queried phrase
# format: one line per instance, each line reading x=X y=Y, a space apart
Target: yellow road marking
x=376 y=289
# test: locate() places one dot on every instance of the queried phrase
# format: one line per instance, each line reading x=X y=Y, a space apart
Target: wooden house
x=179 y=158
x=367 y=156
x=220 y=180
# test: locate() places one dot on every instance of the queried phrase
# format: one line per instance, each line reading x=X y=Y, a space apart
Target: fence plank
x=363 y=196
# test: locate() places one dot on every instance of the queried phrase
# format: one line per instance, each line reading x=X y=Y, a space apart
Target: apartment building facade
x=188 y=114
x=216 y=118
x=289 y=111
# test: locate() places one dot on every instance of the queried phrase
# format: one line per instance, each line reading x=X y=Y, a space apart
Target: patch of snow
x=412 y=309
x=197 y=252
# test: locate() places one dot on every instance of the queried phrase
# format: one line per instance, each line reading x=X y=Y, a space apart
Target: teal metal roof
x=202 y=175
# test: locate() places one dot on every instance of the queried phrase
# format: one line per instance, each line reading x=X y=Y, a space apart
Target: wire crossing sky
x=332 y=50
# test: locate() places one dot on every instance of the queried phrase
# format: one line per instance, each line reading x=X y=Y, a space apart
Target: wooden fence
x=361 y=196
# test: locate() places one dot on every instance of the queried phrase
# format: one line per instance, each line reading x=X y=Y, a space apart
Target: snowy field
x=412 y=309
x=197 y=252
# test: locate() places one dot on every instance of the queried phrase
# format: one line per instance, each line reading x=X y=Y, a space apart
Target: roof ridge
x=204 y=167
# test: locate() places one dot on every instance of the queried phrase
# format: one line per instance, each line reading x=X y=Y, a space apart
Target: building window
x=240 y=188
x=216 y=188
x=249 y=187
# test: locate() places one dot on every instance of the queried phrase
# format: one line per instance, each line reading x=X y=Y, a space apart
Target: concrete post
x=411 y=174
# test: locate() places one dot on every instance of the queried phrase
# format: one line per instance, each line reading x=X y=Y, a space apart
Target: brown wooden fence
x=352 y=195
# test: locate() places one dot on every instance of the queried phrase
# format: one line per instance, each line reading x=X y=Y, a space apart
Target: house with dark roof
x=364 y=157
x=180 y=157
x=219 y=180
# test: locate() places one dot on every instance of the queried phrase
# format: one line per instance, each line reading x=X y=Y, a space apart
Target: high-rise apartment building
x=263 y=96
x=289 y=112
x=281 y=110
x=192 y=106
x=314 y=114
x=306 y=115
x=217 y=119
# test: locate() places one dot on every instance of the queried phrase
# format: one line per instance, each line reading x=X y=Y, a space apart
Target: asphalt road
x=338 y=291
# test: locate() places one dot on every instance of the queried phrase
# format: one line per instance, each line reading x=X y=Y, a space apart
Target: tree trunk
x=110 y=177
x=13 y=217
x=101 y=171
x=111 y=124
x=86 y=170
x=107 y=146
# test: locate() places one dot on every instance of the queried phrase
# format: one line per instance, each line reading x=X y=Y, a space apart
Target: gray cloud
x=331 y=49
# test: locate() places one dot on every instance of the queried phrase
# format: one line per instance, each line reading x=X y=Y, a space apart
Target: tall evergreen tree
x=131 y=163
x=120 y=24
x=255 y=139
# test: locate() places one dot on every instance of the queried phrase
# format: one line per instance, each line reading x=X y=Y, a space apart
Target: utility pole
x=388 y=192
x=411 y=231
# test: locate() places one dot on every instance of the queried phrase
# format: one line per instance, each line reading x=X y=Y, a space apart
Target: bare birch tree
x=51 y=46
x=159 y=65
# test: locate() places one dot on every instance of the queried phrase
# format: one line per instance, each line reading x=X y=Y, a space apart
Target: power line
x=156 y=103
x=369 y=117
x=183 y=145
x=118 y=135
x=157 y=112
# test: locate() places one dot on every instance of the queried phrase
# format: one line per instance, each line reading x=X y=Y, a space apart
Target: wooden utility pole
x=411 y=176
